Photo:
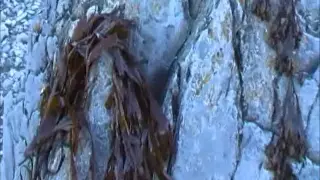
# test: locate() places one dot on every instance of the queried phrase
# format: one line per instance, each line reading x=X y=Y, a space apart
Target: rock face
x=208 y=61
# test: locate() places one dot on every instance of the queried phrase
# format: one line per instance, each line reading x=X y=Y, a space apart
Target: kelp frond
x=141 y=135
x=284 y=33
x=291 y=142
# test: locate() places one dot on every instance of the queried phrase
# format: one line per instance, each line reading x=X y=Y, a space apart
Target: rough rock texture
x=222 y=91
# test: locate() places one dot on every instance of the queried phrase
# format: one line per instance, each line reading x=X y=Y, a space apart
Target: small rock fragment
x=4 y=32
x=92 y=10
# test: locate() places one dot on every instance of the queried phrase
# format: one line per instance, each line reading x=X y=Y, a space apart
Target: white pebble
x=23 y=37
x=4 y=55
x=19 y=13
x=22 y=16
x=92 y=10
x=6 y=48
x=6 y=83
x=18 y=61
x=3 y=31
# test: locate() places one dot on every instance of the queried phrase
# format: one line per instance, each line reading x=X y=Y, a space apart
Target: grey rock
x=313 y=132
x=257 y=73
x=56 y=156
x=6 y=48
x=209 y=117
x=51 y=46
x=307 y=96
x=23 y=37
x=223 y=115
x=4 y=32
x=98 y=117
x=309 y=16
x=92 y=10
x=37 y=58
x=158 y=45
x=21 y=16
x=7 y=83
x=253 y=145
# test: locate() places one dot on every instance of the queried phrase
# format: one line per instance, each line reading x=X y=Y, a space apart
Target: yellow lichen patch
x=241 y=1
x=271 y=62
x=226 y=26
x=156 y=7
x=216 y=59
x=37 y=27
x=202 y=82
x=211 y=34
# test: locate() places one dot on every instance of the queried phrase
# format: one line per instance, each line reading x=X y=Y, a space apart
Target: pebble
x=92 y=10
x=22 y=16
x=23 y=37
x=2 y=15
x=56 y=156
x=4 y=32
x=34 y=7
x=2 y=60
x=4 y=55
x=10 y=22
x=51 y=46
x=14 y=28
x=18 y=61
x=30 y=11
x=18 y=52
x=19 y=13
x=6 y=83
x=6 y=48
x=12 y=72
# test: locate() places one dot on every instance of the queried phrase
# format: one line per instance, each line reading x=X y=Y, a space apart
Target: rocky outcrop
x=209 y=62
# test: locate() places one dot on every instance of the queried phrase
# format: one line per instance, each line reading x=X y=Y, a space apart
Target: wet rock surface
x=209 y=61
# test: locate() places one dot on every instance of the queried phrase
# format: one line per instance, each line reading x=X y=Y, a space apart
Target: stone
x=7 y=83
x=23 y=37
x=252 y=153
x=21 y=16
x=4 y=32
x=257 y=73
x=208 y=133
x=18 y=61
x=37 y=59
x=51 y=46
x=307 y=96
x=6 y=48
x=98 y=117
x=62 y=6
x=221 y=113
x=313 y=132
x=91 y=11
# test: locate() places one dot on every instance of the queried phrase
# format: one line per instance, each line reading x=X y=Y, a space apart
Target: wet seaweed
x=291 y=142
x=262 y=9
x=284 y=33
x=141 y=136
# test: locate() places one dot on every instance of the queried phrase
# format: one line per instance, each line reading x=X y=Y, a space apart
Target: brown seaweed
x=291 y=142
x=284 y=36
x=141 y=136
x=284 y=33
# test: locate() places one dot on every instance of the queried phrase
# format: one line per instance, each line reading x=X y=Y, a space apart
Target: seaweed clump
x=290 y=143
x=141 y=134
x=284 y=37
x=284 y=33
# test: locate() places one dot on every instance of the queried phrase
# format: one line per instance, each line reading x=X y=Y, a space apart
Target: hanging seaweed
x=141 y=135
x=291 y=142
x=284 y=33
x=141 y=138
x=284 y=36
